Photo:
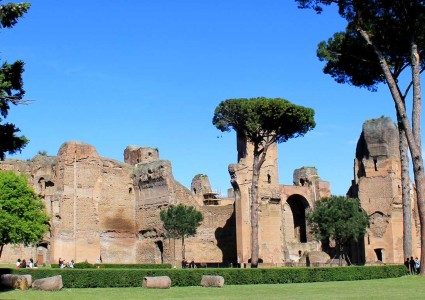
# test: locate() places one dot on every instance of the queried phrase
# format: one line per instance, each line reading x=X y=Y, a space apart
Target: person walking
x=412 y=266
x=417 y=265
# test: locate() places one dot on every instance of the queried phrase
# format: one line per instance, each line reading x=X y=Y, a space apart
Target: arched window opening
x=160 y=248
x=299 y=205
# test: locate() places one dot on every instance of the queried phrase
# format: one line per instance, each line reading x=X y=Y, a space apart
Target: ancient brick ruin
x=103 y=210
x=377 y=183
x=283 y=230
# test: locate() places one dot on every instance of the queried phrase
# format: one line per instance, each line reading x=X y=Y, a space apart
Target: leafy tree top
x=11 y=84
x=264 y=119
x=22 y=215
x=392 y=26
x=339 y=218
x=11 y=12
x=181 y=220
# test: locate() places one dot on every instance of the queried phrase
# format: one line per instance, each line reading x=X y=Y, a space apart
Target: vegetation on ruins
x=383 y=39
x=340 y=219
x=181 y=221
x=197 y=176
x=42 y=152
x=22 y=216
x=263 y=122
x=11 y=85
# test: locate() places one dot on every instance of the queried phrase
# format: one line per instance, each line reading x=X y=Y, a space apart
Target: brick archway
x=296 y=207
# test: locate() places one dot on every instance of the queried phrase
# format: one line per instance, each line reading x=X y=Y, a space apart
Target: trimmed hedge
x=92 y=278
x=85 y=265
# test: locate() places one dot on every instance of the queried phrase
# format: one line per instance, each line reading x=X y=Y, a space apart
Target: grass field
x=408 y=287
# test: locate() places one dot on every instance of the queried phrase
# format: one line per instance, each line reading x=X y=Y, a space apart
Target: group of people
x=186 y=265
x=21 y=264
x=413 y=265
x=63 y=264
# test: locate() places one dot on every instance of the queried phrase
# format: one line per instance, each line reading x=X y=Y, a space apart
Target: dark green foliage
x=9 y=142
x=11 y=85
x=260 y=119
x=11 y=12
x=134 y=266
x=22 y=215
x=74 y=278
x=339 y=218
x=81 y=265
x=349 y=60
x=86 y=265
x=181 y=221
x=392 y=24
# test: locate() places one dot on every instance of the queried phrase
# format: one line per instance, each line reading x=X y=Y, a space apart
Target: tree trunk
x=259 y=159
x=416 y=108
x=183 y=250
x=1 y=249
x=254 y=212
x=405 y=185
x=340 y=254
x=174 y=250
x=417 y=161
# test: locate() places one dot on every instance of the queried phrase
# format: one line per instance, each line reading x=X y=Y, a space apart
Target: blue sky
x=150 y=73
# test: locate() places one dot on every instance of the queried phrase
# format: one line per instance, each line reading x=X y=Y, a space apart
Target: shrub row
x=85 y=265
x=92 y=278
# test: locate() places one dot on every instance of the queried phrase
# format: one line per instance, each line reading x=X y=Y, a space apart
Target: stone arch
x=41 y=184
x=42 y=253
x=159 y=252
x=295 y=214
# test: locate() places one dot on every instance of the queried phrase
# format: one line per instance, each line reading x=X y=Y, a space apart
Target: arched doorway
x=298 y=205
x=42 y=254
x=159 y=252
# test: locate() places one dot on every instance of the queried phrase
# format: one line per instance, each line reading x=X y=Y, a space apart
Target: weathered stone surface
x=212 y=281
x=28 y=278
x=103 y=210
x=157 y=282
x=48 y=284
x=377 y=184
x=336 y=263
x=78 y=150
x=134 y=155
x=380 y=138
x=201 y=185
x=318 y=258
x=11 y=281
x=374 y=263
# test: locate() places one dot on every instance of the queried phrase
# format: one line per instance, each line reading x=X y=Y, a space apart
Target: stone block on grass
x=48 y=284
x=11 y=281
x=156 y=282
x=212 y=281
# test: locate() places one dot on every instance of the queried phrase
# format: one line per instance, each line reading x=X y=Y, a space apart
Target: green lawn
x=408 y=287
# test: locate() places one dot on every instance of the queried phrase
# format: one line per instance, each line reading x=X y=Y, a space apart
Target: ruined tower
x=270 y=213
x=377 y=183
x=282 y=208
